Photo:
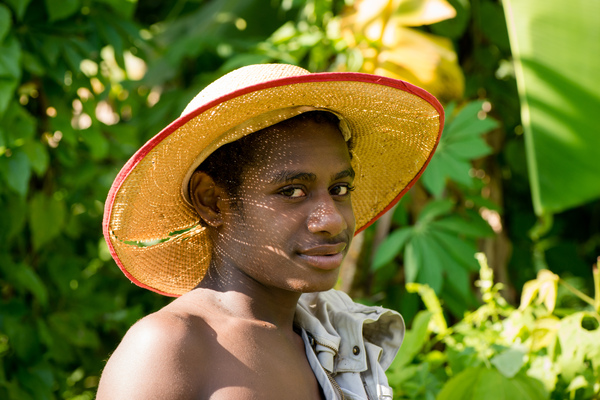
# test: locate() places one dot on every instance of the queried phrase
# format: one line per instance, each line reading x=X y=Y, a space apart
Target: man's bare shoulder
x=161 y=356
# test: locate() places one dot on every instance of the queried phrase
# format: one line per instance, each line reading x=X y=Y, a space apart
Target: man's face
x=295 y=222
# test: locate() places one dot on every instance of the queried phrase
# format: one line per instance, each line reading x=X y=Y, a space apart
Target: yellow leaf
x=530 y=289
x=424 y=12
x=422 y=59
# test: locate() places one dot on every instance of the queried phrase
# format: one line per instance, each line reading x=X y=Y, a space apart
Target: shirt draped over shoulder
x=349 y=345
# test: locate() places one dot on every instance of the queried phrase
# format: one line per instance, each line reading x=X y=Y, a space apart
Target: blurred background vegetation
x=515 y=180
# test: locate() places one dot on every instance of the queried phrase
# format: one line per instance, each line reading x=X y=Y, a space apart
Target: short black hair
x=226 y=164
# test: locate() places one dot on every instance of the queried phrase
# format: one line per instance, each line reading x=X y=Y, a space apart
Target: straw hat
x=153 y=232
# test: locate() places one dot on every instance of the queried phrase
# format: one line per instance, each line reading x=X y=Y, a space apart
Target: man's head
x=279 y=203
x=150 y=222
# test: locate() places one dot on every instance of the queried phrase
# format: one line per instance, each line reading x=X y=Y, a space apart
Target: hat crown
x=242 y=78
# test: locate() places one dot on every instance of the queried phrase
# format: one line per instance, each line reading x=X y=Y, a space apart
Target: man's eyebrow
x=349 y=172
x=290 y=176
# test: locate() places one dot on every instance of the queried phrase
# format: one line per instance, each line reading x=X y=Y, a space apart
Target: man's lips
x=326 y=256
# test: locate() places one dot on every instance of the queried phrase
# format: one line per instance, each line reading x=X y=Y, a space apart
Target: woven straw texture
x=153 y=232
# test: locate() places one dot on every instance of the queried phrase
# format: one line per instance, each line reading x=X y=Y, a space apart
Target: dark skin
x=232 y=337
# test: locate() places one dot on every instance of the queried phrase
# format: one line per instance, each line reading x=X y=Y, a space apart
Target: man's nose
x=327 y=218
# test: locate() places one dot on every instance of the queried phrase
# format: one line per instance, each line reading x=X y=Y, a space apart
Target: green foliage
x=438 y=248
x=499 y=352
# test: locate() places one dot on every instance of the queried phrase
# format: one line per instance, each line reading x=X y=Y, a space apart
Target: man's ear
x=205 y=196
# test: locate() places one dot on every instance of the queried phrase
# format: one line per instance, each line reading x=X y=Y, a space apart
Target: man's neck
x=238 y=295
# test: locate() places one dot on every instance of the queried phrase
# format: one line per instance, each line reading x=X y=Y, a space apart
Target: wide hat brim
x=155 y=235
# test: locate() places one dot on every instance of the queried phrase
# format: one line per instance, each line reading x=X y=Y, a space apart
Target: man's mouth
x=327 y=256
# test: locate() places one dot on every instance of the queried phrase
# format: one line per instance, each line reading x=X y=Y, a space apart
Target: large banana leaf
x=556 y=46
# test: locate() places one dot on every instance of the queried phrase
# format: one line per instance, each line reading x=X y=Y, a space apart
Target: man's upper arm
x=154 y=361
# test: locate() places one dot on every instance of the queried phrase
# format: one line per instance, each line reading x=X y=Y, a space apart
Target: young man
x=245 y=207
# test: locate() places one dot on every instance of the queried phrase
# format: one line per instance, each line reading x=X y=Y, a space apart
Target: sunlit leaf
x=483 y=383
x=414 y=340
x=423 y=12
x=509 y=362
x=556 y=46
x=577 y=344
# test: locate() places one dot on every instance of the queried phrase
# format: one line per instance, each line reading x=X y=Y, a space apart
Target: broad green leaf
x=489 y=384
x=5 y=21
x=46 y=218
x=19 y=6
x=509 y=362
x=556 y=46
x=411 y=263
x=434 y=209
x=473 y=228
x=469 y=149
x=62 y=9
x=460 y=249
x=431 y=268
x=390 y=247
x=414 y=340
x=17 y=172
x=455 y=274
x=434 y=177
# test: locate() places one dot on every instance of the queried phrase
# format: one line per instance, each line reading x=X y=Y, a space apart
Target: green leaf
x=12 y=223
x=469 y=149
x=556 y=47
x=467 y=122
x=390 y=247
x=577 y=344
x=38 y=156
x=434 y=177
x=509 y=362
x=17 y=171
x=124 y=8
x=460 y=249
x=46 y=218
x=434 y=209
x=96 y=142
x=5 y=21
x=414 y=340
x=19 y=6
x=489 y=384
x=22 y=275
x=431 y=268
x=61 y=9
x=411 y=263
x=460 y=226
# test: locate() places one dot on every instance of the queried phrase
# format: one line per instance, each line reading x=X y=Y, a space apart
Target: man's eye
x=293 y=192
x=341 y=190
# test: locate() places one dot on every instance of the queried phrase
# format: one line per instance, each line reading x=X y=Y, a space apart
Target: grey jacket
x=349 y=345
